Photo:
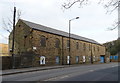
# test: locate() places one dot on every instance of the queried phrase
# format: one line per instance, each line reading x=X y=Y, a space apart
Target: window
x=84 y=46
x=57 y=59
x=42 y=60
x=68 y=59
x=24 y=40
x=43 y=41
x=77 y=45
x=68 y=43
x=84 y=59
x=19 y=25
x=98 y=48
x=94 y=48
x=57 y=43
x=89 y=47
x=77 y=59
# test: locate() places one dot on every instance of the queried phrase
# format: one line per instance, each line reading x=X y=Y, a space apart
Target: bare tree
x=107 y=3
x=110 y=5
x=69 y=3
x=8 y=24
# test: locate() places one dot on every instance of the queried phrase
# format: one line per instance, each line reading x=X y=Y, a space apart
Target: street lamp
x=69 y=35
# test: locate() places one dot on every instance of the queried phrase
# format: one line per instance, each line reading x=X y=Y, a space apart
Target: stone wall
x=6 y=62
x=50 y=51
x=27 y=40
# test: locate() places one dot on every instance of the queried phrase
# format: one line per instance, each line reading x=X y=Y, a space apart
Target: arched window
x=43 y=41
x=57 y=43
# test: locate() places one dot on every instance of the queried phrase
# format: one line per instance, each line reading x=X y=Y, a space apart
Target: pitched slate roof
x=57 y=32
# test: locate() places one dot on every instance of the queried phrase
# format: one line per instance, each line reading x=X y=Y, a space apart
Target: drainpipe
x=91 y=55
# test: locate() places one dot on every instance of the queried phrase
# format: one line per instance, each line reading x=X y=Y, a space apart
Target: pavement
x=32 y=69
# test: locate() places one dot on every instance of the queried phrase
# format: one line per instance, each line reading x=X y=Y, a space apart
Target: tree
x=110 y=5
x=7 y=25
x=113 y=47
x=107 y=3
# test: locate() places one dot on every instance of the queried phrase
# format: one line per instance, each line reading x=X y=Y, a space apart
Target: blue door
x=111 y=57
x=102 y=59
x=115 y=57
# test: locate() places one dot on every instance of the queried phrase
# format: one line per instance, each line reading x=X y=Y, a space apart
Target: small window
x=77 y=59
x=94 y=48
x=84 y=46
x=43 y=41
x=77 y=45
x=98 y=48
x=57 y=60
x=19 y=25
x=68 y=43
x=89 y=47
x=25 y=40
x=57 y=43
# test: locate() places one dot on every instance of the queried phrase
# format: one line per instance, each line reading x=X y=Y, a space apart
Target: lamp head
x=77 y=17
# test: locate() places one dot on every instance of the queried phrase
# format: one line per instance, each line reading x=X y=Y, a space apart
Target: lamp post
x=69 y=37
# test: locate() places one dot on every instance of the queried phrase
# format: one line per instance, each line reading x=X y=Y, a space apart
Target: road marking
x=64 y=77
x=58 y=77
x=91 y=70
x=113 y=66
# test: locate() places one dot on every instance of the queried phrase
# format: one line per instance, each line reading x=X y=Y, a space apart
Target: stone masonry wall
x=27 y=42
x=50 y=51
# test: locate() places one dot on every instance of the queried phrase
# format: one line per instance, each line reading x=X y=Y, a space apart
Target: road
x=96 y=72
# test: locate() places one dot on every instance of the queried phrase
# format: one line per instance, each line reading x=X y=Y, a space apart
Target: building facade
x=4 y=49
x=38 y=45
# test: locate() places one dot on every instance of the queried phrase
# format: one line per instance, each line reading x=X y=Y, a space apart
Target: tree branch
x=70 y=4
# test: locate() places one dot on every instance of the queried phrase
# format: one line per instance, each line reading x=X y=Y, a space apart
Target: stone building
x=4 y=49
x=38 y=45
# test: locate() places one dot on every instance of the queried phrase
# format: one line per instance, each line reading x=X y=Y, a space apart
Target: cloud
x=92 y=22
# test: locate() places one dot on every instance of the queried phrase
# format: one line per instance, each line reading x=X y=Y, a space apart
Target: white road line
x=91 y=70
x=113 y=66
x=64 y=77
x=58 y=77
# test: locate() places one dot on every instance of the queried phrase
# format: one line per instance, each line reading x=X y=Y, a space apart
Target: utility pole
x=13 y=58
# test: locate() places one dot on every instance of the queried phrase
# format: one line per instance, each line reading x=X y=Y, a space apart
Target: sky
x=93 y=22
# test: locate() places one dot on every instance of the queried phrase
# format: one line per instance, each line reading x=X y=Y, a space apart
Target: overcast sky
x=93 y=21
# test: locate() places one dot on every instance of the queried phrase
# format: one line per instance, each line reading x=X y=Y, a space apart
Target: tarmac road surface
x=95 y=72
